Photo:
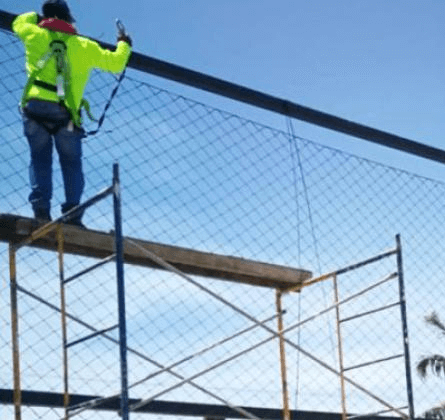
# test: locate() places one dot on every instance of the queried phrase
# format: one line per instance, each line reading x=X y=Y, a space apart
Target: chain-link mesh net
x=197 y=177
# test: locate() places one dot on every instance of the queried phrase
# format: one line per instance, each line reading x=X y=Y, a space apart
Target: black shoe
x=42 y=214
x=76 y=218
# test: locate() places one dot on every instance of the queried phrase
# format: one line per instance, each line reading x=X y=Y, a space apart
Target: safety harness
x=62 y=87
x=58 y=52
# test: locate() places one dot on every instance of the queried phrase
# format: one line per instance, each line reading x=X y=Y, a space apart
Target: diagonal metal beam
x=262 y=100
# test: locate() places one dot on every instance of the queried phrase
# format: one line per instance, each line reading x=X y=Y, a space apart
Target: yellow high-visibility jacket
x=83 y=55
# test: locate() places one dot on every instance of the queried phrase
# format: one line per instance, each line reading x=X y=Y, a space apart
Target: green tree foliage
x=435 y=364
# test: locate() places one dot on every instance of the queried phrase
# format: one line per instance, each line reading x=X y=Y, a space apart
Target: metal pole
x=15 y=332
x=120 y=291
x=286 y=412
x=340 y=350
x=60 y=247
x=409 y=385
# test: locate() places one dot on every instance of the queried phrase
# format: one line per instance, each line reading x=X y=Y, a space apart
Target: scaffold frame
x=58 y=226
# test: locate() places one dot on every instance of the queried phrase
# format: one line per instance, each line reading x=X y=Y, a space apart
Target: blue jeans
x=46 y=123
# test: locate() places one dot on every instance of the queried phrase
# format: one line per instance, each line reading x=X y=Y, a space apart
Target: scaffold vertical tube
x=286 y=411
x=340 y=348
x=15 y=333
x=60 y=251
x=409 y=386
x=120 y=291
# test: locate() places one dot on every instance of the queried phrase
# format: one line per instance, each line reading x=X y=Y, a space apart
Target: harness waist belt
x=47 y=86
x=53 y=88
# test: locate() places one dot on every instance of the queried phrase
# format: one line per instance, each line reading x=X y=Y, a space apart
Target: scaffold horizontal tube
x=90 y=269
x=373 y=362
x=95 y=334
x=383 y=308
x=341 y=271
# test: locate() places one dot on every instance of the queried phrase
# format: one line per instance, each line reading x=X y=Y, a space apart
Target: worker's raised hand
x=122 y=33
x=126 y=38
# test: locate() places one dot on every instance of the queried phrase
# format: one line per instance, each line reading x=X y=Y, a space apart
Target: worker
x=58 y=64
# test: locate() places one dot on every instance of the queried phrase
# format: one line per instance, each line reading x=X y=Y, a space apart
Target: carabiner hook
x=120 y=27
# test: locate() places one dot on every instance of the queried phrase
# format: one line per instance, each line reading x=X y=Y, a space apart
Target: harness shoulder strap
x=58 y=51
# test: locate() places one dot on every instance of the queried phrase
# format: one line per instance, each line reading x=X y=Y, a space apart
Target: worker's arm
x=25 y=24
x=106 y=60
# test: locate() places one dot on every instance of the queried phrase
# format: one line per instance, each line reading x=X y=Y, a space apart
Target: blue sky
x=376 y=62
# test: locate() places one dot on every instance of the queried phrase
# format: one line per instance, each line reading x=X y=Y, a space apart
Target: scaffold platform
x=98 y=244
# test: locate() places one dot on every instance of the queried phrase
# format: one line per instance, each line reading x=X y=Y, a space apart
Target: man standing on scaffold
x=58 y=65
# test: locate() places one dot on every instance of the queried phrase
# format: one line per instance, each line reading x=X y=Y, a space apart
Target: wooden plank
x=97 y=244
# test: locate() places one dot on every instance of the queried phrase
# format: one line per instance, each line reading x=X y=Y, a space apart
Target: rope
x=295 y=151
x=121 y=32
x=107 y=106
